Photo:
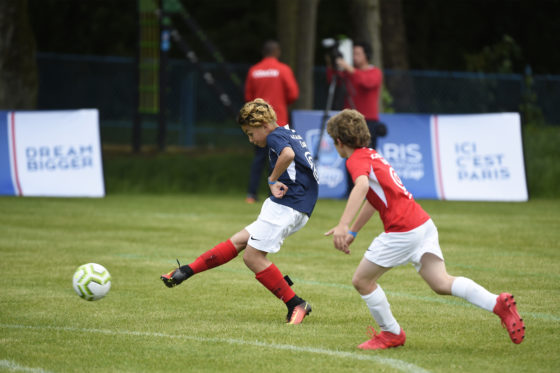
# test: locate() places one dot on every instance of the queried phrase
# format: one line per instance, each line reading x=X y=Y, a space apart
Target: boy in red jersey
x=410 y=236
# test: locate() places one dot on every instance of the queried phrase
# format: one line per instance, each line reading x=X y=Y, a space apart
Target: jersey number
x=309 y=158
x=398 y=181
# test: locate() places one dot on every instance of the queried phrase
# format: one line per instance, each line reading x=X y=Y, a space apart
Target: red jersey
x=397 y=209
x=363 y=87
x=274 y=82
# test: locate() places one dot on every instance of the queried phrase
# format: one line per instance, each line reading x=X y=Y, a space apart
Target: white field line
x=10 y=365
x=393 y=363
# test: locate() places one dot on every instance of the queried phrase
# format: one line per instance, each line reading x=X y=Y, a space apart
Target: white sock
x=381 y=311
x=474 y=293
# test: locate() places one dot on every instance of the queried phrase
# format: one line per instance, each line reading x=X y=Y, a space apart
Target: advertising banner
x=408 y=148
x=480 y=157
x=452 y=157
x=51 y=153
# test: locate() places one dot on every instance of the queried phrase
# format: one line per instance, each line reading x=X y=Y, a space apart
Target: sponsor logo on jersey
x=269 y=73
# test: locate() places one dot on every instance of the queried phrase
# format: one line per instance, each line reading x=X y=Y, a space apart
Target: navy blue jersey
x=301 y=176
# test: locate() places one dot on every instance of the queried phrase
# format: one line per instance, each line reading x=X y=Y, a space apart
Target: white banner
x=480 y=157
x=57 y=153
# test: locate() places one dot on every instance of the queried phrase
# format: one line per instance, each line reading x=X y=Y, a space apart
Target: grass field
x=224 y=320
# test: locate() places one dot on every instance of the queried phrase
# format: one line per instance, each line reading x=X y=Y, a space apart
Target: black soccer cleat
x=176 y=276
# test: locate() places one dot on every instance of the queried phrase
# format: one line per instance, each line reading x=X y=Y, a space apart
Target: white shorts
x=274 y=224
x=399 y=248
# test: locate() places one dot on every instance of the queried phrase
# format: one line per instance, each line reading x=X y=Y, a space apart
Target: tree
x=367 y=26
x=18 y=67
x=393 y=34
x=295 y=25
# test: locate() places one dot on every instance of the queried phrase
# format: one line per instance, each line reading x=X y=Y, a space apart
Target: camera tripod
x=330 y=98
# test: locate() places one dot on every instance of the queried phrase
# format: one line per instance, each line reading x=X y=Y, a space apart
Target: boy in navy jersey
x=294 y=188
x=409 y=236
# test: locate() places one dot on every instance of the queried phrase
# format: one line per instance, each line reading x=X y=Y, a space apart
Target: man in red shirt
x=362 y=83
x=274 y=82
x=409 y=236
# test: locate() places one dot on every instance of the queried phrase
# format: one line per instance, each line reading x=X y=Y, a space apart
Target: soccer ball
x=91 y=281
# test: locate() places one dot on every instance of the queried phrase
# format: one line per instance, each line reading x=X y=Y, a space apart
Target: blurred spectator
x=362 y=84
x=274 y=82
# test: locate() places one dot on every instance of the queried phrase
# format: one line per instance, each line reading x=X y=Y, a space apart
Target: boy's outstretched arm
x=340 y=232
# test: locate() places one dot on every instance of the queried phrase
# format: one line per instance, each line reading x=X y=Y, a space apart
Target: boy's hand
x=278 y=189
x=341 y=238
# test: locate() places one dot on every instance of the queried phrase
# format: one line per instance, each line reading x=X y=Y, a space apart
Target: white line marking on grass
x=537 y=315
x=10 y=365
x=393 y=363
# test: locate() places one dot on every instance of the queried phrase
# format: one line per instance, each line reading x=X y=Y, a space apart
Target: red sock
x=220 y=254
x=273 y=280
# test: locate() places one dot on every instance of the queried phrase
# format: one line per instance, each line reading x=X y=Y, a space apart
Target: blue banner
x=408 y=148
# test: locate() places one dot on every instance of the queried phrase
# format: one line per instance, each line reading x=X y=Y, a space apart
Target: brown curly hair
x=350 y=127
x=256 y=113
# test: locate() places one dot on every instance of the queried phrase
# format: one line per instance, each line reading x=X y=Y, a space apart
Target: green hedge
x=226 y=170
x=205 y=171
x=542 y=160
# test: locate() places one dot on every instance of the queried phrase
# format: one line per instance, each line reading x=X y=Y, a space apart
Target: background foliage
x=441 y=34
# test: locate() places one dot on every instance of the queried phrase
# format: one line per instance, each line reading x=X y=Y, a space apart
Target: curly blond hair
x=350 y=127
x=256 y=113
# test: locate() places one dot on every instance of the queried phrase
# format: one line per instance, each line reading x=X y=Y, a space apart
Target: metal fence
x=195 y=116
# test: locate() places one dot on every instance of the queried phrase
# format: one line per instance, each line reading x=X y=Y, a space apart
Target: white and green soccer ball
x=91 y=281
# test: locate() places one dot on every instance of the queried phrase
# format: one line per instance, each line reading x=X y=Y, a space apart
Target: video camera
x=331 y=46
x=337 y=48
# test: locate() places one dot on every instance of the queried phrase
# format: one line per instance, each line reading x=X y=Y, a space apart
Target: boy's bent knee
x=255 y=260
x=248 y=257
x=362 y=285
x=240 y=239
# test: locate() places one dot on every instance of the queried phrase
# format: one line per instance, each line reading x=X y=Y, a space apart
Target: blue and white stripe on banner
x=438 y=181
x=9 y=183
